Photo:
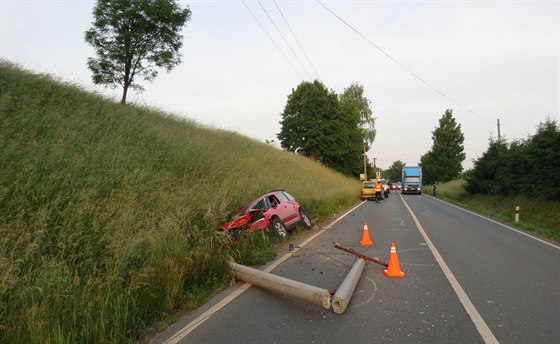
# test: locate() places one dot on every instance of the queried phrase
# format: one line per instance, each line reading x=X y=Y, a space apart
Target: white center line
x=479 y=323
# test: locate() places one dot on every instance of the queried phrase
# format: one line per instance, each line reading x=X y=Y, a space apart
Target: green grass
x=109 y=212
x=537 y=215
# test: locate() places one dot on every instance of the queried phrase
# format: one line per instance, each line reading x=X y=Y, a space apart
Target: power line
x=285 y=40
x=403 y=66
x=276 y=45
x=297 y=40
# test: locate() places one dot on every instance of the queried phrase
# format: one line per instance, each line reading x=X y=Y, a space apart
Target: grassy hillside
x=109 y=212
x=537 y=215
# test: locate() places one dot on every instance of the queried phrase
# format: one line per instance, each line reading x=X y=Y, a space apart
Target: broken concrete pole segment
x=281 y=285
x=344 y=293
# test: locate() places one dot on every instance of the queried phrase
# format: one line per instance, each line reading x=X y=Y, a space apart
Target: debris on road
x=357 y=254
x=337 y=299
x=282 y=285
x=344 y=293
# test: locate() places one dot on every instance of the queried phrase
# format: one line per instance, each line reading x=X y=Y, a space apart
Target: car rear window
x=282 y=197
x=290 y=197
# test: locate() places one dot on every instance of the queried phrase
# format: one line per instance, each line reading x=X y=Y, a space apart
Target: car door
x=277 y=208
x=288 y=208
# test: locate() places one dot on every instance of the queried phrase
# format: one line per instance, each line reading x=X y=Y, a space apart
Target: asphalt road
x=468 y=280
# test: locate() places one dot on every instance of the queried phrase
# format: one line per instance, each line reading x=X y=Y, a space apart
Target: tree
x=542 y=159
x=394 y=172
x=132 y=38
x=443 y=162
x=487 y=169
x=527 y=167
x=355 y=93
x=317 y=125
x=346 y=151
x=308 y=108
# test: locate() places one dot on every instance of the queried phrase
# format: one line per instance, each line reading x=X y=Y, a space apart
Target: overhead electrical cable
x=273 y=42
x=403 y=66
x=285 y=40
x=297 y=40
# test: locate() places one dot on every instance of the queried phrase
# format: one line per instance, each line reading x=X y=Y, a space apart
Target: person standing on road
x=434 y=188
x=378 y=188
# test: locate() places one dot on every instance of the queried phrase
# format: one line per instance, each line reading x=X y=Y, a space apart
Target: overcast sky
x=489 y=59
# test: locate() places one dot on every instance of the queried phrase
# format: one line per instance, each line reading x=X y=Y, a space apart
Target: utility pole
x=365 y=165
x=374 y=166
x=499 y=136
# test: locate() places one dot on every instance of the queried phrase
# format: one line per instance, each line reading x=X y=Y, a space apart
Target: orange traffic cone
x=394 y=269
x=366 y=241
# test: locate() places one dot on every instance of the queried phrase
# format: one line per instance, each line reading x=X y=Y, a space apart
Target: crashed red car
x=276 y=212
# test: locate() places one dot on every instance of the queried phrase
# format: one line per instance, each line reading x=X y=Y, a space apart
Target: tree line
x=529 y=167
x=133 y=38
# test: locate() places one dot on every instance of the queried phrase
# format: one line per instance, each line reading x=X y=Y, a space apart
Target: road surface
x=468 y=280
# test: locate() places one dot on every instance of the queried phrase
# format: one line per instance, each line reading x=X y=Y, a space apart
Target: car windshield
x=257 y=204
x=367 y=186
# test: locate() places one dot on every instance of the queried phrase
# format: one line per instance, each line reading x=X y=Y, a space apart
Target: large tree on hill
x=443 y=162
x=355 y=94
x=308 y=110
x=346 y=152
x=132 y=38
x=317 y=125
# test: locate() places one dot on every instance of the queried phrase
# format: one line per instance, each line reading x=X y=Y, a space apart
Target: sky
x=486 y=60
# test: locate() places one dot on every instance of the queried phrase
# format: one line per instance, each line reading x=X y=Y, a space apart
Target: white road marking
x=182 y=333
x=499 y=223
x=476 y=318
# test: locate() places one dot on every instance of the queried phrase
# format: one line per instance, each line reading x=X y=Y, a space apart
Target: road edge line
x=498 y=223
x=183 y=332
x=471 y=310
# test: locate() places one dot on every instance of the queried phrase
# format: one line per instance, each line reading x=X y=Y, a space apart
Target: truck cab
x=412 y=180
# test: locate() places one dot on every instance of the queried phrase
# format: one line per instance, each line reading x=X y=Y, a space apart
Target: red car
x=276 y=212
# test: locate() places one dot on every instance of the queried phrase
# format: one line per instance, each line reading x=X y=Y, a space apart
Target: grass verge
x=537 y=215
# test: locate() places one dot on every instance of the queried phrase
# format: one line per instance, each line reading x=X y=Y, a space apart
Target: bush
x=529 y=167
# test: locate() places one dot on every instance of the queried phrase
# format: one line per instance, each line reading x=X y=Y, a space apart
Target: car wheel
x=278 y=228
x=305 y=220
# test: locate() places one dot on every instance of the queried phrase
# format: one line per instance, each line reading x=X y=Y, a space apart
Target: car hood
x=237 y=223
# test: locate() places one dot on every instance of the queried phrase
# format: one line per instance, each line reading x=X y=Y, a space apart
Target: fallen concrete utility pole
x=344 y=293
x=281 y=285
x=359 y=255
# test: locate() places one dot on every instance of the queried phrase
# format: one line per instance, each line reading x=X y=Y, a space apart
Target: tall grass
x=109 y=212
x=537 y=215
